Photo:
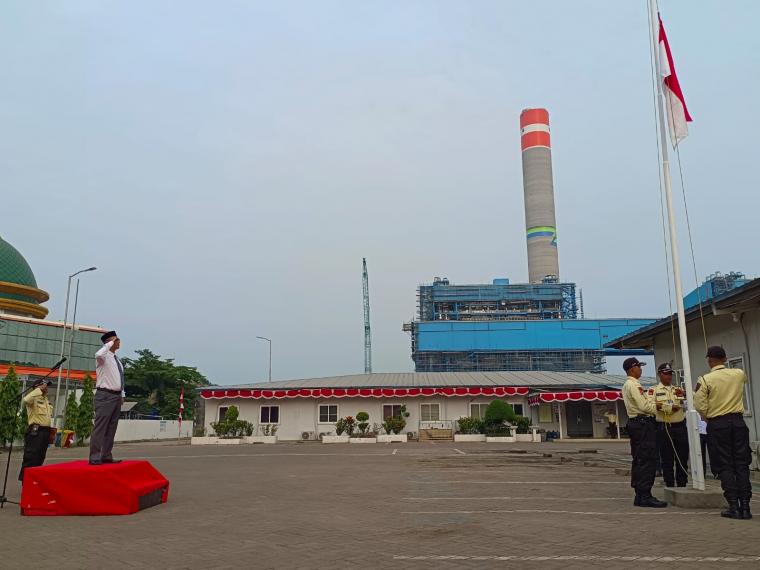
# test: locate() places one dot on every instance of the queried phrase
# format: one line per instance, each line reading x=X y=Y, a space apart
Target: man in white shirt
x=109 y=395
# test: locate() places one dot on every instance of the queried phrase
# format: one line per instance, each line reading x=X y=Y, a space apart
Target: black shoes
x=96 y=463
x=649 y=501
x=112 y=461
x=732 y=512
x=743 y=510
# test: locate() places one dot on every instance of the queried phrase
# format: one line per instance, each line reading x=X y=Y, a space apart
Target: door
x=579 y=420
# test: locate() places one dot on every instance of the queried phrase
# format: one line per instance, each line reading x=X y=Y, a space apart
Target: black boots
x=744 y=512
x=648 y=501
x=732 y=512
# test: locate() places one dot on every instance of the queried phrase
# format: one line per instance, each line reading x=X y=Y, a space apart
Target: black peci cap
x=41 y=381
x=716 y=352
x=665 y=368
x=107 y=336
x=631 y=362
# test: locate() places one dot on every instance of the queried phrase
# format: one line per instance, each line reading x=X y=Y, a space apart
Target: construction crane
x=367 y=330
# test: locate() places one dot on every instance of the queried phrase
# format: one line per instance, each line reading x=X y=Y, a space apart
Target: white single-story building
x=573 y=405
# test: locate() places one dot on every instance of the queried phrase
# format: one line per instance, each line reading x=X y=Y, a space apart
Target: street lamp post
x=63 y=341
x=270 y=354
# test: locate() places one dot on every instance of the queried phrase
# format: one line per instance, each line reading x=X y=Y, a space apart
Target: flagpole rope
x=654 y=77
x=688 y=219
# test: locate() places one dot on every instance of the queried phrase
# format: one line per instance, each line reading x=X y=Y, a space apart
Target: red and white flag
x=181 y=406
x=678 y=114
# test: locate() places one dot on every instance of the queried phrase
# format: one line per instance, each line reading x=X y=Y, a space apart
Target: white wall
x=724 y=331
x=302 y=414
x=133 y=430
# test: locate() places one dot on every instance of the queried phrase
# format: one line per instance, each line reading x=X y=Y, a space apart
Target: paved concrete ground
x=415 y=505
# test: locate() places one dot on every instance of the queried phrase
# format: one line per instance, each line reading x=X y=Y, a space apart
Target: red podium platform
x=78 y=488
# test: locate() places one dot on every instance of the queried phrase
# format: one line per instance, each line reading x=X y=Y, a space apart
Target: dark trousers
x=36 y=442
x=643 y=438
x=703 y=445
x=107 y=409
x=673 y=446
x=729 y=438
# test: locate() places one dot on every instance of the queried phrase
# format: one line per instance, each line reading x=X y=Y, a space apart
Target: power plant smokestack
x=539 y=195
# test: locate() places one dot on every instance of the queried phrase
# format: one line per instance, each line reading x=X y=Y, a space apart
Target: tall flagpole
x=692 y=417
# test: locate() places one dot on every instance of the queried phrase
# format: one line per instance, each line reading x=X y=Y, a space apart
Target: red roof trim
x=584 y=396
x=448 y=391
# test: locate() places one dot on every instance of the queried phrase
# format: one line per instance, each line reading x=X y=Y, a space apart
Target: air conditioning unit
x=308 y=436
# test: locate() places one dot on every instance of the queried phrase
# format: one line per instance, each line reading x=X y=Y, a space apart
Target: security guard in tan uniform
x=37 y=438
x=672 y=437
x=643 y=436
x=719 y=398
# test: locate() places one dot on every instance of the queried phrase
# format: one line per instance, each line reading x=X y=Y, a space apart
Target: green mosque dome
x=18 y=287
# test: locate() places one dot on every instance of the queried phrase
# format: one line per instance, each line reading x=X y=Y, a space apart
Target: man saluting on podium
x=109 y=395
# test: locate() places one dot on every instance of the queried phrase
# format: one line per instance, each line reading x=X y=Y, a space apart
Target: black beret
x=716 y=352
x=109 y=334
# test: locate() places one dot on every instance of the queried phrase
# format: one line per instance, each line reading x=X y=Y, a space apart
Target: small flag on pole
x=181 y=406
x=678 y=114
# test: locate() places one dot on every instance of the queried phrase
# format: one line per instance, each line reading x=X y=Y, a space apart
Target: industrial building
x=537 y=325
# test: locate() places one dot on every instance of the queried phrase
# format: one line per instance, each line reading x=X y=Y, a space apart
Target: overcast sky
x=227 y=165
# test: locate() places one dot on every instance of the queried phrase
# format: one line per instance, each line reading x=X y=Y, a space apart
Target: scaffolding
x=582 y=360
x=442 y=301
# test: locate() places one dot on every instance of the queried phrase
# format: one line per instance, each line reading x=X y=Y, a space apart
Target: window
x=223 y=412
x=269 y=415
x=478 y=410
x=391 y=411
x=430 y=412
x=545 y=414
x=328 y=414
x=518 y=408
x=738 y=362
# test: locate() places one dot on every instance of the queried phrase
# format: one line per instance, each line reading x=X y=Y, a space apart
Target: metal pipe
x=270 y=354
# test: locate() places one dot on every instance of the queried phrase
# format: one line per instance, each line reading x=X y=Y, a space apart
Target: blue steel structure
x=714 y=286
x=506 y=326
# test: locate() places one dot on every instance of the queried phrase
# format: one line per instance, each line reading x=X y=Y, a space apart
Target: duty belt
x=116 y=392
x=672 y=424
x=641 y=419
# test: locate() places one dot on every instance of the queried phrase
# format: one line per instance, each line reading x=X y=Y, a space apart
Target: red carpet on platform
x=78 y=488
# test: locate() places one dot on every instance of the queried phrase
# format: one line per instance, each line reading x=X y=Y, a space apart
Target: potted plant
x=268 y=434
x=497 y=422
x=470 y=430
x=523 y=430
x=393 y=427
x=229 y=431
x=364 y=435
x=344 y=427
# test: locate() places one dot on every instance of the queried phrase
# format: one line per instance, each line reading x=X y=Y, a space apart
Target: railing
x=438 y=424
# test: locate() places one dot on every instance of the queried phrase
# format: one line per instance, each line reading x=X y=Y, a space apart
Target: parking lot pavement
x=414 y=505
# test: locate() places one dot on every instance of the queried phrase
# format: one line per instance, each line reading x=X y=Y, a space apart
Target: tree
x=71 y=413
x=10 y=388
x=86 y=412
x=156 y=383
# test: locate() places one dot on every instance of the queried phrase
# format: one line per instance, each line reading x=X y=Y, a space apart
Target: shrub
x=499 y=412
x=394 y=425
x=470 y=425
x=523 y=424
x=268 y=429
x=363 y=424
x=345 y=425
x=231 y=426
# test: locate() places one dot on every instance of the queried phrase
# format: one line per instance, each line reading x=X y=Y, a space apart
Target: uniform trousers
x=36 y=442
x=643 y=438
x=728 y=436
x=107 y=410
x=673 y=446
